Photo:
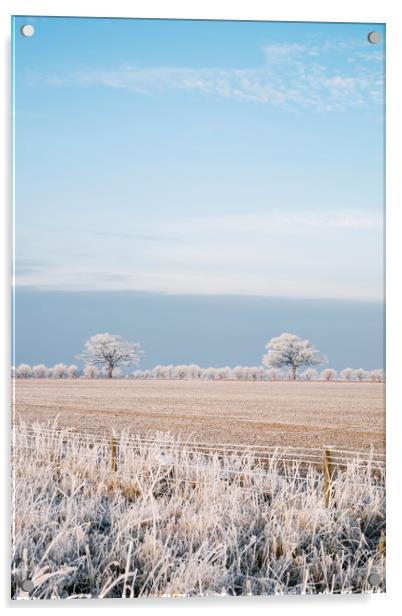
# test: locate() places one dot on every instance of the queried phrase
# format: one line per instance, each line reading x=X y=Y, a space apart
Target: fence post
x=62 y=451
x=114 y=454
x=328 y=469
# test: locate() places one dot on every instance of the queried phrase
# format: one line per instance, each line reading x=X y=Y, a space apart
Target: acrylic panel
x=198 y=310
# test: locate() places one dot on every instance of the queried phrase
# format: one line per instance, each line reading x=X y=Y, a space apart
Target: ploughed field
x=300 y=414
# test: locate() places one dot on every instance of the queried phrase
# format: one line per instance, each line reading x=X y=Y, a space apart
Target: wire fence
x=134 y=456
x=260 y=452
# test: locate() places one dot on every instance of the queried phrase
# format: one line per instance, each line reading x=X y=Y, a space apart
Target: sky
x=209 y=330
x=199 y=158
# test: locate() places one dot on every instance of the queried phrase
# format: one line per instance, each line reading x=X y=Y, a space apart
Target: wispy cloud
x=277 y=222
x=282 y=252
x=129 y=236
x=28 y=267
x=205 y=282
x=323 y=77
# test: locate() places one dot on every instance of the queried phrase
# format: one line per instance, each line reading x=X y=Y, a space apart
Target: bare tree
x=163 y=372
x=347 y=374
x=223 y=374
x=91 y=372
x=110 y=351
x=360 y=375
x=376 y=376
x=159 y=372
x=290 y=351
x=252 y=373
x=239 y=372
x=181 y=372
x=194 y=371
x=210 y=374
x=73 y=371
x=169 y=371
x=329 y=374
x=39 y=371
x=310 y=374
x=273 y=374
x=24 y=371
x=60 y=370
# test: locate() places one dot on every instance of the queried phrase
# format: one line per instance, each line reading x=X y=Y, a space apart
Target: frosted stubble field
x=346 y=415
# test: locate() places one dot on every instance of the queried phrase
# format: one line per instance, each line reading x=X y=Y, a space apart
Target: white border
x=380 y=11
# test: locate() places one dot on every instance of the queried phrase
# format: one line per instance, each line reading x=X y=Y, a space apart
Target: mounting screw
x=373 y=37
x=374 y=579
x=27 y=585
x=27 y=30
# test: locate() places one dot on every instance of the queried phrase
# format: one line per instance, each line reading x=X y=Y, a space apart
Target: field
x=345 y=415
x=136 y=488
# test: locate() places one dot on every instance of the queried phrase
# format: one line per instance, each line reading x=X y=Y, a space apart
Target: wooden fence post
x=114 y=454
x=328 y=468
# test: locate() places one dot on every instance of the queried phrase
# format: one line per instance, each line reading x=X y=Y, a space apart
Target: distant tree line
x=107 y=355
x=256 y=373
x=193 y=371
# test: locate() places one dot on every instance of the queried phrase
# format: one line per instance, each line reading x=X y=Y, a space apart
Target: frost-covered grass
x=173 y=522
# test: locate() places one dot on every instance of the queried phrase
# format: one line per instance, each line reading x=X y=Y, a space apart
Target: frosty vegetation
x=193 y=371
x=172 y=522
x=107 y=355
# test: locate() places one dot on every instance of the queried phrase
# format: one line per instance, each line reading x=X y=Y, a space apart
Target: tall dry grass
x=172 y=521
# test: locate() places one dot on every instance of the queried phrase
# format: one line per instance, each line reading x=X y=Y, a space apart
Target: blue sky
x=199 y=157
x=211 y=330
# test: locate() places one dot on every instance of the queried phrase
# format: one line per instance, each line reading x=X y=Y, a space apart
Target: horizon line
x=41 y=289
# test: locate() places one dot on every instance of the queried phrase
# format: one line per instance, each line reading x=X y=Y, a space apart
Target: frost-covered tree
x=252 y=373
x=273 y=374
x=376 y=376
x=210 y=374
x=239 y=372
x=73 y=371
x=163 y=372
x=310 y=374
x=110 y=351
x=39 y=371
x=329 y=374
x=169 y=372
x=60 y=370
x=117 y=373
x=12 y=372
x=290 y=351
x=181 y=372
x=159 y=372
x=194 y=371
x=51 y=374
x=223 y=374
x=91 y=372
x=24 y=371
x=142 y=374
x=360 y=375
x=347 y=374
